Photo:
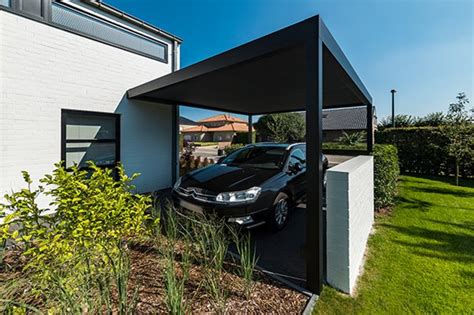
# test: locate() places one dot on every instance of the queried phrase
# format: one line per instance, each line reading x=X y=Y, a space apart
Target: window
x=6 y=3
x=90 y=136
x=298 y=156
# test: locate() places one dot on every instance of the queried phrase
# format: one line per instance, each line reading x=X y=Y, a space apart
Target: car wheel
x=280 y=212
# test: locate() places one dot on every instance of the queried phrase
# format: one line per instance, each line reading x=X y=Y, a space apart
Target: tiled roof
x=351 y=118
x=234 y=127
x=222 y=117
x=187 y=121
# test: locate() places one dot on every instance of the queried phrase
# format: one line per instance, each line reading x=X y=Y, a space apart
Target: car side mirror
x=295 y=168
x=219 y=161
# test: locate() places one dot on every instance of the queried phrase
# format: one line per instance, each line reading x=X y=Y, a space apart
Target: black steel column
x=314 y=171
x=175 y=143
x=370 y=128
x=250 y=140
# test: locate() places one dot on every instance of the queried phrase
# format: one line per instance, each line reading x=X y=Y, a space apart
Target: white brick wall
x=350 y=215
x=43 y=70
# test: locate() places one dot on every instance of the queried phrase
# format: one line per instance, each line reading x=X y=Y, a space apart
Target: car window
x=258 y=157
x=297 y=156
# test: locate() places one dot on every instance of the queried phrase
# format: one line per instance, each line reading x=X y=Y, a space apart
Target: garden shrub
x=243 y=138
x=233 y=147
x=94 y=211
x=424 y=150
x=386 y=172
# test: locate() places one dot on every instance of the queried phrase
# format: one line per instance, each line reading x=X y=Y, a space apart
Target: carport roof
x=266 y=75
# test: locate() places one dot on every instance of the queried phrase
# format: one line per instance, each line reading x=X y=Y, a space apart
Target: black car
x=254 y=185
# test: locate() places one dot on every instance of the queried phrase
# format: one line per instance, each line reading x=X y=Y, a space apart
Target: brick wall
x=43 y=70
x=350 y=215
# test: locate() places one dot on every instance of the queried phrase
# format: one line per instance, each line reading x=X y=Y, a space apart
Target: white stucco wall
x=350 y=215
x=43 y=70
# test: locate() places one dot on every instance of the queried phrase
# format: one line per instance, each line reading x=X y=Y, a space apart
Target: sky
x=424 y=49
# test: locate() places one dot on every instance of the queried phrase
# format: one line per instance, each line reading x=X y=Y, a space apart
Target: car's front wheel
x=280 y=212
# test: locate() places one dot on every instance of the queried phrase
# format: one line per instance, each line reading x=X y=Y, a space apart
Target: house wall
x=223 y=136
x=45 y=69
x=350 y=215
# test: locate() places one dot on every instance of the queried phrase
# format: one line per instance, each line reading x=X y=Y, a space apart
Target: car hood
x=221 y=178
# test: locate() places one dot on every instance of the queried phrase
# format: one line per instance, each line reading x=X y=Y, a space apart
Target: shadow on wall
x=146 y=142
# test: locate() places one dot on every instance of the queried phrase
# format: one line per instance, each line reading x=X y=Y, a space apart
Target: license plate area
x=191 y=207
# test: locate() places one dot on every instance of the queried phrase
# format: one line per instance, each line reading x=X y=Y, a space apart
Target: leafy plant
x=386 y=173
x=248 y=259
x=283 y=127
x=75 y=249
x=352 y=138
x=459 y=121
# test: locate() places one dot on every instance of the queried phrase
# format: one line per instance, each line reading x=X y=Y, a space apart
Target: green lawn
x=421 y=257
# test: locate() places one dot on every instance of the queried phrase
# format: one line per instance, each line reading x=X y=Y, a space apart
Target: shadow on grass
x=463 y=182
x=443 y=191
x=414 y=204
x=437 y=244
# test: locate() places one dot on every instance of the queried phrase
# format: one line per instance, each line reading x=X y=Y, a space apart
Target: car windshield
x=257 y=157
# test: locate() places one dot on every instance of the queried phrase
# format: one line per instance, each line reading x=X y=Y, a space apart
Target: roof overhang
x=266 y=75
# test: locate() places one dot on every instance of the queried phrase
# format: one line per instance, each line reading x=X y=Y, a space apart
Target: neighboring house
x=185 y=123
x=219 y=128
x=65 y=68
x=349 y=120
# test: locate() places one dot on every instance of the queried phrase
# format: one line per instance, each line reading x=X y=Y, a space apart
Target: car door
x=297 y=182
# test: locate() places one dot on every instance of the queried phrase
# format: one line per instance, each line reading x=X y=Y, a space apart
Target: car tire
x=280 y=212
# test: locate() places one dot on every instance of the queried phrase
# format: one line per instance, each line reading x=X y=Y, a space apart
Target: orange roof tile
x=235 y=127
x=222 y=117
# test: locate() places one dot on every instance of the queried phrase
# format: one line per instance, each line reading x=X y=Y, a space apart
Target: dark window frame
x=46 y=19
x=117 y=140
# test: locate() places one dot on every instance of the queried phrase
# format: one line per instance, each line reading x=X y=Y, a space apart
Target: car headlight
x=239 y=196
x=177 y=184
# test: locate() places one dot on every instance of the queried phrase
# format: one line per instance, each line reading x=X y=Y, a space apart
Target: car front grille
x=197 y=193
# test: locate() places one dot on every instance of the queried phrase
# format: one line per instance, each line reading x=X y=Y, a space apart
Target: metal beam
x=314 y=170
x=250 y=140
x=370 y=128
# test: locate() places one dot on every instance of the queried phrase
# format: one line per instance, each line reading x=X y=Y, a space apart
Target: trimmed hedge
x=386 y=172
x=424 y=150
x=243 y=138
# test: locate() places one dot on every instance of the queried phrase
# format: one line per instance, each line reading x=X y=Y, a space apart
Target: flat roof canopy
x=266 y=75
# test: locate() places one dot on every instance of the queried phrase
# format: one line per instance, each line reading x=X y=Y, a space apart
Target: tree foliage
x=459 y=121
x=284 y=127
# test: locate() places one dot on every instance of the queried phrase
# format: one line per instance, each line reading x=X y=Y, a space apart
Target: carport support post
x=314 y=171
x=370 y=128
x=175 y=144
x=250 y=140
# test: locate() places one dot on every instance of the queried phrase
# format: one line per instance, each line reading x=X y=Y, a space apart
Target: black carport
x=300 y=67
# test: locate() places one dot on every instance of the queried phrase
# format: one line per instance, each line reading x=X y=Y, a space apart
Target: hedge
x=424 y=150
x=242 y=138
x=386 y=172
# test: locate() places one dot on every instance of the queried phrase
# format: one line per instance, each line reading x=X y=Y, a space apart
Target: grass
x=340 y=146
x=421 y=258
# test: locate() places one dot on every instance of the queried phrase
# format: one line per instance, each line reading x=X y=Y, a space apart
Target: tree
x=432 y=119
x=285 y=127
x=458 y=122
x=401 y=120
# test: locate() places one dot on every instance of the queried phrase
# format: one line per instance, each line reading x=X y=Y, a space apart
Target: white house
x=65 y=67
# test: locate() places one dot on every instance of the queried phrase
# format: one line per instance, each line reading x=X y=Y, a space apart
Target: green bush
x=233 y=147
x=77 y=249
x=243 y=138
x=424 y=150
x=386 y=172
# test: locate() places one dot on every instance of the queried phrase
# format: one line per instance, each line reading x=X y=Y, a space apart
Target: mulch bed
x=268 y=295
